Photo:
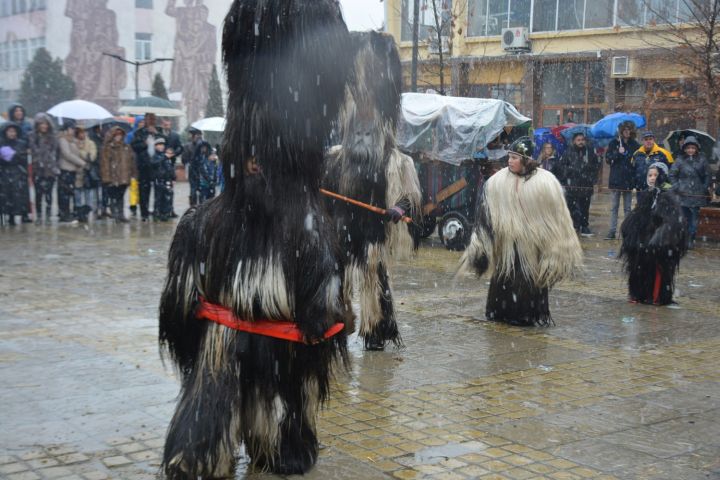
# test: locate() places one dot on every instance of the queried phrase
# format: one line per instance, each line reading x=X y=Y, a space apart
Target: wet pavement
x=614 y=390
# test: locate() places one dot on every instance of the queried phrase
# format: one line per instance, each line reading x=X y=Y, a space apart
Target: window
x=37 y=5
x=143 y=46
x=520 y=13
x=544 y=15
x=660 y=11
x=35 y=45
x=19 y=6
x=572 y=92
x=5 y=8
x=489 y=17
x=571 y=14
x=427 y=24
x=3 y=57
x=144 y=4
x=599 y=13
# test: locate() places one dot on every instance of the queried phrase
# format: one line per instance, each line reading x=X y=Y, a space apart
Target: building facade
x=584 y=58
x=81 y=32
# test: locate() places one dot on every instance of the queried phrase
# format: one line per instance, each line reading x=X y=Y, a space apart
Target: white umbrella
x=210 y=124
x=79 y=110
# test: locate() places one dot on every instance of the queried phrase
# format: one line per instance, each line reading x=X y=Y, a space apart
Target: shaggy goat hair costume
x=367 y=166
x=654 y=240
x=263 y=251
x=524 y=233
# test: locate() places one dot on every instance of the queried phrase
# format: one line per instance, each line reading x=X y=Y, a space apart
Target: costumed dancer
x=524 y=234
x=251 y=312
x=368 y=167
x=654 y=240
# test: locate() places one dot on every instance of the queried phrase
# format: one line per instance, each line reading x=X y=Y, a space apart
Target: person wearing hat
x=142 y=144
x=649 y=153
x=163 y=163
x=622 y=172
x=70 y=163
x=654 y=240
x=690 y=177
x=524 y=233
x=577 y=170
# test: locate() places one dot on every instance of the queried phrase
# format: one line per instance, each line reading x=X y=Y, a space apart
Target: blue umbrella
x=583 y=128
x=607 y=127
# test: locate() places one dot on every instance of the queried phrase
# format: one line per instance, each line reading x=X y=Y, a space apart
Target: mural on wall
x=195 y=50
x=97 y=77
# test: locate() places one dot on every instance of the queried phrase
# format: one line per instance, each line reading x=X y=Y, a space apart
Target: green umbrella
x=156 y=105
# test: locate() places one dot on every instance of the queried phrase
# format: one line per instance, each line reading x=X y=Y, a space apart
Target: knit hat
x=159 y=140
x=648 y=134
x=660 y=166
x=690 y=140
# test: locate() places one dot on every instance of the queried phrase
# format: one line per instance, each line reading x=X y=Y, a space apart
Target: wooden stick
x=444 y=194
x=372 y=208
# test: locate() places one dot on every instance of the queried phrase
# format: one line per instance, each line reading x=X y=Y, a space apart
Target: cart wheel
x=454 y=231
x=427 y=227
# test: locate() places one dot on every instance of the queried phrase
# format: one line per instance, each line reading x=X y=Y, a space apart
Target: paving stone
x=116 y=461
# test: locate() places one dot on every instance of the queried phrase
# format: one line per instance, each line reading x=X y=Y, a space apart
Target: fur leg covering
x=264 y=249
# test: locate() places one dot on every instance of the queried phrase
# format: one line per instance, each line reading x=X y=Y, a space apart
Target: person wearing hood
x=649 y=153
x=117 y=169
x=71 y=165
x=174 y=144
x=88 y=179
x=577 y=170
x=654 y=240
x=16 y=114
x=205 y=166
x=622 y=172
x=14 y=197
x=690 y=177
x=134 y=187
x=44 y=153
x=164 y=173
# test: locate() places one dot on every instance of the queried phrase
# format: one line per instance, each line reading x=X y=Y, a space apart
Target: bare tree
x=690 y=38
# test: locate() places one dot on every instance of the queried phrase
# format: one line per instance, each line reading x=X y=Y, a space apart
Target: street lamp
x=137 y=67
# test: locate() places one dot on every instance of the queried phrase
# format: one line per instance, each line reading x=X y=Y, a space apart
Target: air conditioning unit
x=433 y=45
x=620 y=66
x=515 y=39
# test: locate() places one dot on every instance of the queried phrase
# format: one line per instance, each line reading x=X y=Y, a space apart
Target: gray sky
x=363 y=14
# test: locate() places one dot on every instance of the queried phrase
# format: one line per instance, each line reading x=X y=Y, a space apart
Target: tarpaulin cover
x=451 y=128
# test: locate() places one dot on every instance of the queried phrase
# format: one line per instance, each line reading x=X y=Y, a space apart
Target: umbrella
x=704 y=139
x=607 y=127
x=156 y=105
x=210 y=124
x=79 y=110
x=557 y=130
x=568 y=133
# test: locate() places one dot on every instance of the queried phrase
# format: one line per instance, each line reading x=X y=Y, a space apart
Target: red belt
x=270 y=328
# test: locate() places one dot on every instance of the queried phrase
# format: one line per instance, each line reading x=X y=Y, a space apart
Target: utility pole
x=414 y=65
x=137 y=67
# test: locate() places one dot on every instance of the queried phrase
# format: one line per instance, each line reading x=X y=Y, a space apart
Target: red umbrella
x=556 y=130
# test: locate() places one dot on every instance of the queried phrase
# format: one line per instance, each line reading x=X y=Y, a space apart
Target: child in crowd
x=164 y=165
x=207 y=160
x=654 y=240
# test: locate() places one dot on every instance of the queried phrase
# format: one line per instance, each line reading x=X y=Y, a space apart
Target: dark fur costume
x=367 y=166
x=264 y=249
x=654 y=241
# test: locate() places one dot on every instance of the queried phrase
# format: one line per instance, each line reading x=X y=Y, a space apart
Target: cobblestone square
x=613 y=390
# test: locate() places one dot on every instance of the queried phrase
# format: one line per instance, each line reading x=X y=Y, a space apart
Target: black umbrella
x=704 y=139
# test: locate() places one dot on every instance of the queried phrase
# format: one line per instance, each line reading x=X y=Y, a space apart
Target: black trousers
x=146 y=182
x=116 y=196
x=43 y=190
x=163 y=198
x=578 y=203
x=66 y=192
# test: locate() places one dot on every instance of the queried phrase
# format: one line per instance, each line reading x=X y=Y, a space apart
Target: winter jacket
x=88 y=152
x=44 y=149
x=622 y=170
x=70 y=159
x=578 y=167
x=548 y=163
x=25 y=126
x=163 y=167
x=690 y=178
x=14 y=195
x=117 y=162
x=173 y=141
x=642 y=160
x=143 y=144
